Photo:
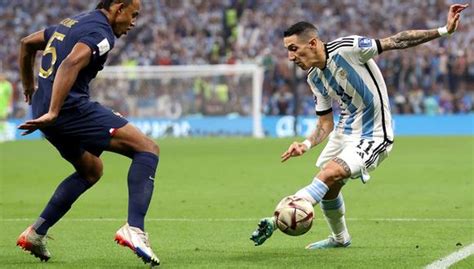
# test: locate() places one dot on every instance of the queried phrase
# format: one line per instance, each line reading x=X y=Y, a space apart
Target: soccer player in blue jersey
x=74 y=51
x=344 y=70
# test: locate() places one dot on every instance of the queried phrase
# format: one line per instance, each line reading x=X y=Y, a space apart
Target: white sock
x=314 y=192
x=334 y=211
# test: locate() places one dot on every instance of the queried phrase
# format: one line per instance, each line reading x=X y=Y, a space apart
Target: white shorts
x=361 y=155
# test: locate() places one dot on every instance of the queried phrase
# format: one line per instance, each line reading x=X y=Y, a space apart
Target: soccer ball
x=294 y=215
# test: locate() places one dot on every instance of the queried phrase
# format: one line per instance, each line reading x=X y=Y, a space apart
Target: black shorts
x=88 y=127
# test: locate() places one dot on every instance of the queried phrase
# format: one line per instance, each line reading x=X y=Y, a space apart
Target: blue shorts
x=88 y=127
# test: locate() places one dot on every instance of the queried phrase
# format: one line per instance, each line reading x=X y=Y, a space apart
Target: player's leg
x=325 y=189
x=356 y=158
x=106 y=130
x=327 y=180
x=143 y=151
x=333 y=209
x=88 y=172
x=313 y=192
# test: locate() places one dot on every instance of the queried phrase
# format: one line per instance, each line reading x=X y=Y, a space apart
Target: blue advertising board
x=273 y=126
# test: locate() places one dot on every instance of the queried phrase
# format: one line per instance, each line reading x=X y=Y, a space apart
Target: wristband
x=307 y=143
x=443 y=31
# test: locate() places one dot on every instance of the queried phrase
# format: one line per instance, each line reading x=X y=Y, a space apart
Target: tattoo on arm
x=343 y=164
x=407 y=39
x=318 y=135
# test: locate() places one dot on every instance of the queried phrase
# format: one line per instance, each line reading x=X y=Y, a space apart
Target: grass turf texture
x=211 y=192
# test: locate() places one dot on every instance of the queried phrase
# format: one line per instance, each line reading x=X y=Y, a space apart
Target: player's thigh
x=91 y=126
x=88 y=165
x=69 y=148
x=331 y=150
x=128 y=140
x=364 y=155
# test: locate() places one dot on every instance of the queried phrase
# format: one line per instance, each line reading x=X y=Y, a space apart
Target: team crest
x=342 y=74
x=365 y=42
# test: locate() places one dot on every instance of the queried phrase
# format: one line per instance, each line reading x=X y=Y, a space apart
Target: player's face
x=301 y=52
x=126 y=18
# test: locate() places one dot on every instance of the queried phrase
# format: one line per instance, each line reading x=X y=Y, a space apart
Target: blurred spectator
x=437 y=77
x=282 y=101
x=6 y=97
x=6 y=105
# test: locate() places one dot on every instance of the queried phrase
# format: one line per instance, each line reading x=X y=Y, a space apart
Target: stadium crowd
x=435 y=78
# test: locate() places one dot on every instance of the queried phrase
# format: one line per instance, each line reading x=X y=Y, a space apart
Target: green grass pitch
x=210 y=193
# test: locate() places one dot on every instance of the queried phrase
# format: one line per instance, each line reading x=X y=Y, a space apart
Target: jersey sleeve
x=322 y=104
x=322 y=100
x=48 y=32
x=99 y=43
x=366 y=48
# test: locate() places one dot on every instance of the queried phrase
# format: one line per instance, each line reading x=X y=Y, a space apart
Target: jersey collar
x=327 y=56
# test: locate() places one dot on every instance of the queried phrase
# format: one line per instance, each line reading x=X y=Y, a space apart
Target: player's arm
x=67 y=74
x=65 y=77
x=324 y=127
x=28 y=47
x=411 y=38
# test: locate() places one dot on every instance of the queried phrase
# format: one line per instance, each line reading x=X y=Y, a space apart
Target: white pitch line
x=452 y=258
x=239 y=219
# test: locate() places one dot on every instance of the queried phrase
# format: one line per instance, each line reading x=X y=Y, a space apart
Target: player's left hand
x=33 y=125
x=453 y=16
x=295 y=149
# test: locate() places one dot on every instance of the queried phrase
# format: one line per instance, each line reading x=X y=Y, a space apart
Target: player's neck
x=107 y=14
x=321 y=56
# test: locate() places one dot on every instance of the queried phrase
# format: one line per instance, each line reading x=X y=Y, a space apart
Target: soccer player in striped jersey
x=343 y=70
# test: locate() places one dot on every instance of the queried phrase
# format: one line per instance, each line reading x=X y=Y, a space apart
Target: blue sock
x=141 y=178
x=65 y=195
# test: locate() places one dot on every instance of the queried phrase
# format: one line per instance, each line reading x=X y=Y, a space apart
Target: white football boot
x=34 y=243
x=330 y=242
x=137 y=240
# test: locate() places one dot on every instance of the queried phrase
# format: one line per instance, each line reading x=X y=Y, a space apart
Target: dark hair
x=105 y=4
x=301 y=28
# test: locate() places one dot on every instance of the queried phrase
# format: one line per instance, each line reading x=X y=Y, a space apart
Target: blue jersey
x=91 y=28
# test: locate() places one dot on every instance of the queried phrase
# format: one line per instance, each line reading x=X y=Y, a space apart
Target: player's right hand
x=33 y=125
x=295 y=149
x=453 y=16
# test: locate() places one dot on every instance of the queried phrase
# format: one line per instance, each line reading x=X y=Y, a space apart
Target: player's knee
x=93 y=173
x=331 y=174
x=156 y=148
x=152 y=147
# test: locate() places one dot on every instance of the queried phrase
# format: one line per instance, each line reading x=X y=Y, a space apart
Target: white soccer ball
x=294 y=215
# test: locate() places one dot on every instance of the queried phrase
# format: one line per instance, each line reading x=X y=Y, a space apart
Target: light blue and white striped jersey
x=353 y=78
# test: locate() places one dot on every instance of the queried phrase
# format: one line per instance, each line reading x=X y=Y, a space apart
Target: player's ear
x=116 y=8
x=120 y=8
x=313 y=42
